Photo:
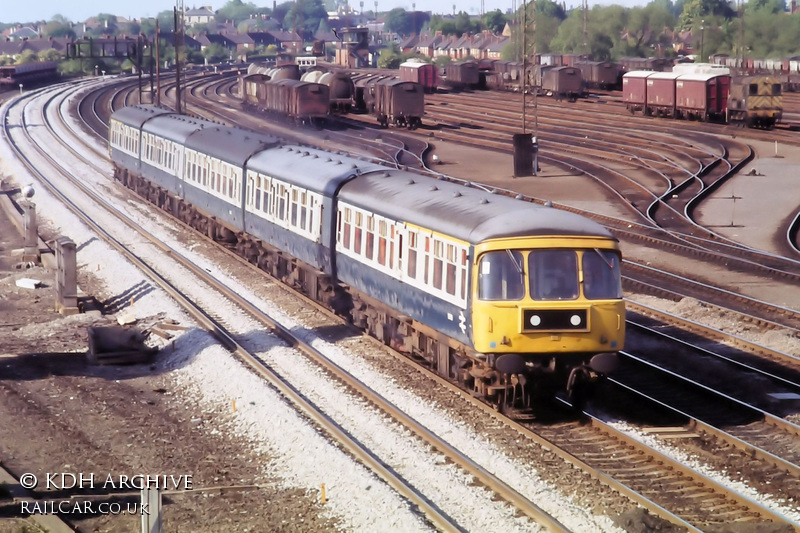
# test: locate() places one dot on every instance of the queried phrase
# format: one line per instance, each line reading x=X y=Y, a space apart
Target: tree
x=464 y=24
x=494 y=21
x=27 y=56
x=107 y=22
x=448 y=27
x=304 y=15
x=280 y=11
x=216 y=53
x=51 y=54
x=389 y=59
x=130 y=28
x=236 y=11
x=398 y=21
x=58 y=29
x=770 y=6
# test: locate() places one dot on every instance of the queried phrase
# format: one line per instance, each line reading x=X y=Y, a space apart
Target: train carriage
x=27 y=73
x=493 y=292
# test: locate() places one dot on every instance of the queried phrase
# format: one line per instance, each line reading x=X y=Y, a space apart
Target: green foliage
x=216 y=53
x=494 y=21
x=235 y=10
x=399 y=21
x=131 y=29
x=770 y=6
x=56 y=28
x=304 y=16
x=448 y=27
x=442 y=61
x=75 y=67
x=389 y=59
x=464 y=24
x=281 y=10
x=50 y=54
x=27 y=56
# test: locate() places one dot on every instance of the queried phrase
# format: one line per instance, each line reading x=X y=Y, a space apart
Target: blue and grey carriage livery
x=449 y=261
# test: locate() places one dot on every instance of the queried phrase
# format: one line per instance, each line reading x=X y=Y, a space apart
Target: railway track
x=228 y=336
x=590 y=452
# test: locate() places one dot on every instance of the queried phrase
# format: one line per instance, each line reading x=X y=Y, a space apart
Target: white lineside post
x=30 y=226
x=151 y=511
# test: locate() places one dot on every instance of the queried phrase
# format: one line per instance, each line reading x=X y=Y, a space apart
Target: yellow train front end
x=755 y=101
x=549 y=310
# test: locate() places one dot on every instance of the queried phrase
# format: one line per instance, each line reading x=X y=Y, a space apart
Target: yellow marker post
x=233 y=403
x=322 y=494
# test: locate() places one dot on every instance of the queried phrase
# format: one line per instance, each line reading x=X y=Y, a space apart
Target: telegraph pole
x=178 y=20
x=585 y=27
x=158 y=66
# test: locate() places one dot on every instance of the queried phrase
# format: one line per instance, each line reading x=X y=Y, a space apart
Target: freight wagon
x=397 y=102
x=702 y=96
x=425 y=74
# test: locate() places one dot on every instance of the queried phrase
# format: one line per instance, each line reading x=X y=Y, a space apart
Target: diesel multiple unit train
x=506 y=297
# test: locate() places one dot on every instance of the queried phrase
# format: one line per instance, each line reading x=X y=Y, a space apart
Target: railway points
x=569 y=188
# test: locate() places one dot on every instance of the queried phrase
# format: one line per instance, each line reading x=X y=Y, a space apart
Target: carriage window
x=370 y=245
x=357 y=240
x=553 y=274
x=412 y=255
x=450 y=286
x=601 y=275
x=501 y=276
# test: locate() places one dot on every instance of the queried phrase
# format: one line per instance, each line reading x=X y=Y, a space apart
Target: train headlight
x=535 y=320
x=575 y=320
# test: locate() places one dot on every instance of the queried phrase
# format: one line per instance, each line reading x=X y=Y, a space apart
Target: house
x=201 y=15
x=427 y=44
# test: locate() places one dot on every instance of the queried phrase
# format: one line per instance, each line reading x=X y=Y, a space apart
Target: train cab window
x=776 y=89
x=501 y=276
x=553 y=274
x=753 y=89
x=601 y=275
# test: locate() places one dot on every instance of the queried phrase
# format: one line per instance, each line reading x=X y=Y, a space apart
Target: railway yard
x=287 y=418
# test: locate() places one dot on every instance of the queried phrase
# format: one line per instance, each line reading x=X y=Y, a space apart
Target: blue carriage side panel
x=215 y=168
x=314 y=176
x=125 y=134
